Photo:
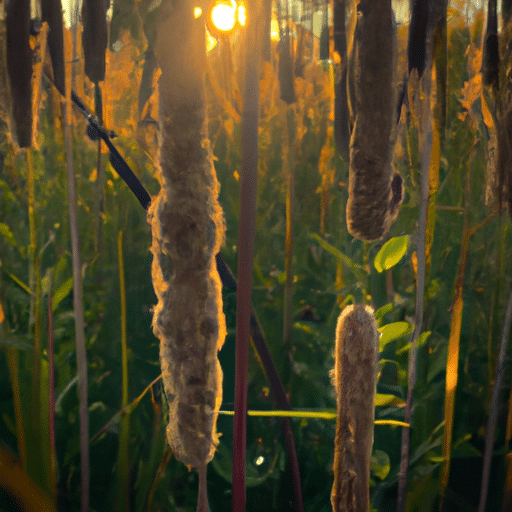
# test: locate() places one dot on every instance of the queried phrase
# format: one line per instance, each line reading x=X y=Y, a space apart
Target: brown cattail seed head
x=355 y=379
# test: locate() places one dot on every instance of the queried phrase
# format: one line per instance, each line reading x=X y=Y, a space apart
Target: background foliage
x=330 y=269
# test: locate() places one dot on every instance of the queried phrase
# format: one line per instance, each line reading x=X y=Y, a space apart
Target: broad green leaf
x=422 y=338
x=380 y=464
x=7 y=234
x=394 y=331
x=383 y=311
x=391 y=253
x=62 y=292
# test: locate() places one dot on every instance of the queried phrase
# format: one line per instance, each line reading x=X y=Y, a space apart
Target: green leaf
x=46 y=281
x=383 y=311
x=391 y=253
x=336 y=252
x=394 y=331
x=433 y=289
x=421 y=340
x=20 y=283
x=62 y=292
x=380 y=464
x=382 y=400
x=15 y=342
x=7 y=234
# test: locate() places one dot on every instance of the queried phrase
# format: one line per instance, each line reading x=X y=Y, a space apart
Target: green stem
x=290 y=194
x=51 y=402
x=11 y=355
x=122 y=503
x=81 y=354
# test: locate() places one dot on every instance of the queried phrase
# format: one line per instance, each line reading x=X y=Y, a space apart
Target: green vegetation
x=469 y=267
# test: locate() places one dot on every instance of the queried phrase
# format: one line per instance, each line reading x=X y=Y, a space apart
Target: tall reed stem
x=122 y=503
x=247 y=229
x=81 y=354
x=425 y=155
x=51 y=402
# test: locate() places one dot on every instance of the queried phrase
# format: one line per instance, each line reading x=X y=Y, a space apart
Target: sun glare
x=223 y=16
x=242 y=15
x=274 y=30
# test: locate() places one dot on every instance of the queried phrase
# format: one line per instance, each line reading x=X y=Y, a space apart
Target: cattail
x=19 y=68
x=355 y=379
x=375 y=192
x=187 y=226
x=94 y=38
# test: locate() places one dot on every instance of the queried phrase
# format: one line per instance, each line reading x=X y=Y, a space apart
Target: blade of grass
x=11 y=355
x=454 y=339
x=122 y=503
x=36 y=440
x=51 y=402
x=495 y=406
x=319 y=415
x=127 y=409
x=148 y=478
x=81 y=354
x=23 y=490
x=161 y=468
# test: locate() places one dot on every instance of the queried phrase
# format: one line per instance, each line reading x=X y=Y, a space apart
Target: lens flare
x=242 y=15
x=223 y=16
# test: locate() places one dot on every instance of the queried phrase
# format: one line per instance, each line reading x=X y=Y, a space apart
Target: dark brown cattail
x=94 y=38
x=19 y=67
x=355 y=378
x=375 y=193
x=417 y=44
x=491 y=50
x=341 y=112
x=51 y=12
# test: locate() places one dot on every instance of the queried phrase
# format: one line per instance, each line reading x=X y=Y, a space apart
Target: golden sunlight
x=223 y=16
